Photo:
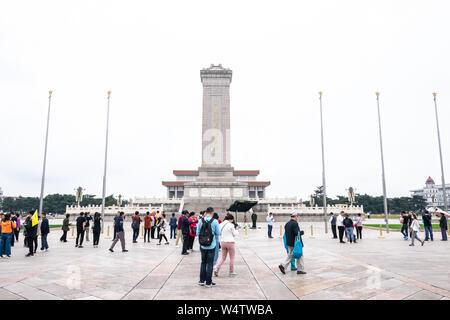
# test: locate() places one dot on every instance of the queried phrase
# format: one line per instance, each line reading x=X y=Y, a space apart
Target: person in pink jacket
x=192 y=230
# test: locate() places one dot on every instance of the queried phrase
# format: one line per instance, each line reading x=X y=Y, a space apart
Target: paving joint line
x=254 y=252
x=134 y=287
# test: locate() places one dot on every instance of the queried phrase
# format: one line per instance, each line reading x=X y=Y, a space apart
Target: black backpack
x=205 y=237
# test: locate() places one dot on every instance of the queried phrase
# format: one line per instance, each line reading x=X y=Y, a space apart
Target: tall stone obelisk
x=215 y=185
x=216 y=124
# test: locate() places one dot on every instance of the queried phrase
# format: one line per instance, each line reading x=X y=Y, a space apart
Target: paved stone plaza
x=371 y=269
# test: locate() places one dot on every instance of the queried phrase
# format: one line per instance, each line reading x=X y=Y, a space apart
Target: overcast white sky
x=281 y=53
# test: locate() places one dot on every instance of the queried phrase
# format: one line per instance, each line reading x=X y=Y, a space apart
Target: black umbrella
x=242 y=206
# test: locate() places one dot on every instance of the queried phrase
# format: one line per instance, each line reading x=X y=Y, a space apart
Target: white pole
x=106 y=158
x=41 y=199
x=323 y=168
x=386 y=214
x=444 y=193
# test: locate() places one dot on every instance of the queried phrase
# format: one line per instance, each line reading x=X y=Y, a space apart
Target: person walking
x=97 y=228
x=443 y=225
x=254 y=218
x=185 y=232
x=348 y=224
x=7 y=226
x=415 y=229
x=192 y=231
x=291 y=230
x=179 y=234
x=162 y=229
x=359 y=226
x=153 y=225
x=147 y=227
x=88 y=225
x=426 y=219
x=207 y=231
x=173 y=226
x=45 y=230
x=65 y=228
x=340 y=226
x=405 y=221
x=31 y=234
x=18 y=226
x=270 y=222
x=158 y=220
x=227 y=234
x=114 y=225
x=120 y=233
x=135 y=225
x=81 y=224
x=332 y=221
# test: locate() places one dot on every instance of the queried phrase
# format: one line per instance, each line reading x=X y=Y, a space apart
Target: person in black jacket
x=31 y=233
x=442 y=225
x=45 y=230
x=291 y=230
x=96 y=229
x=81 y=225
x=185 y=231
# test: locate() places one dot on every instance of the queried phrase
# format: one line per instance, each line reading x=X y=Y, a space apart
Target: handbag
x=298 y=247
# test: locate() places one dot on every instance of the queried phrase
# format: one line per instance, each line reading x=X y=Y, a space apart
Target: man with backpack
x=135 y=224
x=207 y=231
x=292 y=230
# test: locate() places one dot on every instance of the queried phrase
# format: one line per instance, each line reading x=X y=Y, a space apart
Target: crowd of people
x=411 y=226
x=211 y=233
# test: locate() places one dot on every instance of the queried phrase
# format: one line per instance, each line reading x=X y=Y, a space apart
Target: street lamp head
x=377 y=94
x=50 y=92
x=434 y=94
x=320 y=94
x=109 y=93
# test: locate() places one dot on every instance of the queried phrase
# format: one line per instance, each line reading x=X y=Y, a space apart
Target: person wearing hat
x=442 y=224
x=291 y=230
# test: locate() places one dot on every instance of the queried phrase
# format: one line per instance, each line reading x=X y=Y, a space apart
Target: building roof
x=181 y=183
x=259 y=183
x=173 y=183
x=235 y=172
x=429 y=180
x=185 y=172
x=245 y=172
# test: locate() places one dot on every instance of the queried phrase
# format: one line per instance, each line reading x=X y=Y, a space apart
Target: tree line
x=53 y=203
x=374 y=204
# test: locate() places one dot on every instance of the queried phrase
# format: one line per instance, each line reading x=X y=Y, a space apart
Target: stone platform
x=371 y=269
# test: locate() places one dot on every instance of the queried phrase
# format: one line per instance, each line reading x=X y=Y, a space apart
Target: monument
x=216 y=183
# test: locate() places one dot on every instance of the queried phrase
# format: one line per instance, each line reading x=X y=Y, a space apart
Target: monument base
x=219 y=195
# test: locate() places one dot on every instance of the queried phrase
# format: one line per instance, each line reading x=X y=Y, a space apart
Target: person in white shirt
x=358 y=225
x=414 y=229
x=227 y=234
x=270 y=222
x=340 y=225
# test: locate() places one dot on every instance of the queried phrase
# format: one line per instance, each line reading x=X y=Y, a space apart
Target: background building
x=433 y=193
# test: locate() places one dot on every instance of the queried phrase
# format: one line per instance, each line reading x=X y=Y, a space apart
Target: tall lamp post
x=106 y=158
x=444 y=193
x=386 y=214
x=323 y=168
x=41 y=199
